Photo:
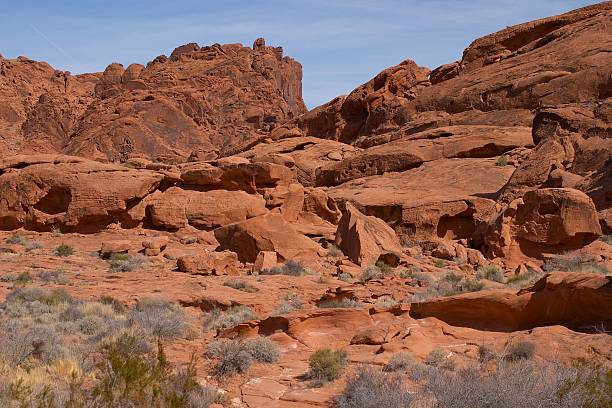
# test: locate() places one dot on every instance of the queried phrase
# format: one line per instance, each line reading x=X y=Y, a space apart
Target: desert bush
x=520 y=384
x=232 y=356
x=158 y=317
x=384 y=268
x=485 y=354
x=219 y=320
x=439 y=263
x=32 y=245
x=126 y=262
x=448 y=287
x=576 y=263
x=18 y=239
x=523 y=279
x=37 y=294
x=502 y=161
x=439 y=358
x=520 y=350
x=452 y=277
x=326 y=365
x=263 y=349
x=56 y=276
x=334 y=251
x=370 y=388
x=240 y=284
x=290 y=268
x=63 y=250
x=402 y=362
x=117 y=306
x=607 y=239
x=291 y=303
x=132 y=378
x=344 y=277
x=22 y=278
x=341 y=303
x=386 y=302
x=492 y=273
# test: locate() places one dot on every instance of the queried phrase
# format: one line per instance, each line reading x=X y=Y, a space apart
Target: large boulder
x=210 y=263
x=546 y=220
x=176 y=208
x=270 y=232
x=365 y=239
x=575 y=300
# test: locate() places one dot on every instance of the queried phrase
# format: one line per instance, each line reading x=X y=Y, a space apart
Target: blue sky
x=340 y=43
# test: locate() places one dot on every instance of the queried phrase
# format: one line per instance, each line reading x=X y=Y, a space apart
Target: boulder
x=546 y=220
x=265 y=260
x=365 y=239
x=210 y=263
x=176 y=208
x=115 y=247
x=268 y=232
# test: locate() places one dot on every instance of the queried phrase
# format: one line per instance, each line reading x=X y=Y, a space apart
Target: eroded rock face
x=560 y=298
x=365 y=239
x=438 y=199
x=40 y=192
x=176 y=208
x=545 y=220
x=199 y=98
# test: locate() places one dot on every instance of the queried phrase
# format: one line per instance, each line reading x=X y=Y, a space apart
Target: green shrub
x=370 y=273
x=439 y=263
x=22 y=278
x=369 y=388
x=452 y=277
x=492 y=273
x=32 y=294
x=326 y=365
x=384 y=268
x=607 y=239
x=63 y=250
x=117 y=306
x=219 y=320
x=18 y=239
x=502 y=161
x=520 y=350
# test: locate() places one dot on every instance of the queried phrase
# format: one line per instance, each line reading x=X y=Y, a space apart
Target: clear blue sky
x=340 y=43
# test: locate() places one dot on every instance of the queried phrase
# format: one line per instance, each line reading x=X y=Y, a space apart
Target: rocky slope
x=481 y=190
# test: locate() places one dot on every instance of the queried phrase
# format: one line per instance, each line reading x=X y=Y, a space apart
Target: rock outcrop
x=199 y=99
x=570 y=299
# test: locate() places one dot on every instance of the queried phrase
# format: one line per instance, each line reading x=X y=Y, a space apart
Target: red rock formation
x=201 y=98
x=560 y=298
